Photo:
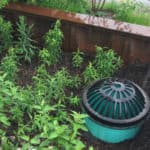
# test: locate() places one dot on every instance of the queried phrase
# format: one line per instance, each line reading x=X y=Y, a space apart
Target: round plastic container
x=116 y=109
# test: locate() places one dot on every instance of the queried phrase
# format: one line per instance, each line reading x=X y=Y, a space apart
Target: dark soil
x=139 y=73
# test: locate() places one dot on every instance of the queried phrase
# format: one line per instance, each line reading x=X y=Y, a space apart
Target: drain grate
x=116 y=102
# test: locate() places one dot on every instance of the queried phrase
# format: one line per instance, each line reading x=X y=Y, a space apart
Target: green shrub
x=25 y=45
x=5 y=34
x=53 y=41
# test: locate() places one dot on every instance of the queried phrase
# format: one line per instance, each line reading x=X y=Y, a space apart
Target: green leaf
x=53 y=135
x=4 y=119
x=25 y=138
x=35 y=141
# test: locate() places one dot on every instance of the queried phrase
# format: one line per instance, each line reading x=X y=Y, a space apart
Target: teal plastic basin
x=116 y=109
x=111 y=134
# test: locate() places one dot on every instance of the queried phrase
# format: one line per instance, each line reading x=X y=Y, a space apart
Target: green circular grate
x=115 y=101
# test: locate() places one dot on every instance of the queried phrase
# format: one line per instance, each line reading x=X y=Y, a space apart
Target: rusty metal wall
x=131 y=42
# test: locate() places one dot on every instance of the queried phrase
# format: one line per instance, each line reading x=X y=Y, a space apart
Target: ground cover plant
x=46 y=113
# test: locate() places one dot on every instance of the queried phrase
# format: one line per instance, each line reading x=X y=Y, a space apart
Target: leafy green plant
x=45 y=56
x=5 y=34
x=9 y=65
x=90 y=73
x=25 y=44
x=3 y=3
x=73 y=100
x=46 y=125
x=104 y=65
x=77 y=58
x=106 y=62
x=53 y=86
x=53 y=41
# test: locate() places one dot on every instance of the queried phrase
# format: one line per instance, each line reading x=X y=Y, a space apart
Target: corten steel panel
x=131 y=42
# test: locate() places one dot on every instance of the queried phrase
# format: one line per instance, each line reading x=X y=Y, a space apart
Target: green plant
x=3 y=3
x=5 y=34
x=53 y=41
x=25 y=47
x=53 y=86
x=39 y=124
x=77 y=58
x=45 y=56
x=9 y=65
x=104 y=65
x=73 y=100
x=106 y=62
x=90 y=73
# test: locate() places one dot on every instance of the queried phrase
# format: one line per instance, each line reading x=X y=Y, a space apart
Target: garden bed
x=136 y=73
x=41 y=85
